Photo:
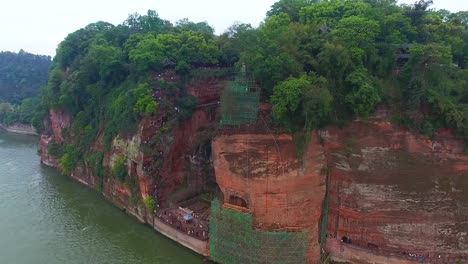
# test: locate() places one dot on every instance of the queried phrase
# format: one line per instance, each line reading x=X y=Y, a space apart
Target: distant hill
x=21 y=75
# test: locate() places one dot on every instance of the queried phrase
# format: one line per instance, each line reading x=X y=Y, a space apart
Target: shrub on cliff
x=69 y=160
x=149 y=203
x=55 y=150
x=119 y=169
x=145 y=102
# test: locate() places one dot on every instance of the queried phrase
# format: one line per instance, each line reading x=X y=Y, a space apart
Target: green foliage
x=364 y=97
x=95 y=161
x=145 y=102
x=21 y=75
x=148 y=54
x=357 y=31
x=315 y=61
x=238 y=38
x=149 y=203
x=363 y=100
x=290 y=7
x=301 y=103
x=69 y=159
x=55 y=150
x=428 y=129
x=132 y=184
x=119 y=169
x=181 y=49
x=101 y=61
x=202 y=28
x=185 y=106
x=151 y=22
x=331 y=12
x=23 y=113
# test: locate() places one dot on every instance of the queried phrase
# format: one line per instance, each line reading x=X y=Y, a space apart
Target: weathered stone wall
x=184 y=139
x=56 y=121
x=398 y=194
x=280 y=193
x=43 y=151
x=207 y=91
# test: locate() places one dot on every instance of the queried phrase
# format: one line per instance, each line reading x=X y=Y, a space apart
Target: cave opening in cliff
x=237 y=201
x=346 y=240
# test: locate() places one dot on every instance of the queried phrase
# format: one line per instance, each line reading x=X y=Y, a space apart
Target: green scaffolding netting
x=324 y=220
x=239 y=102
x=233 y=240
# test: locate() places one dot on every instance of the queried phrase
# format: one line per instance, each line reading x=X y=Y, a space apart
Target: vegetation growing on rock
x=317 y=62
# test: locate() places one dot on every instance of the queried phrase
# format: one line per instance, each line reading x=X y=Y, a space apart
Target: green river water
x=46 y=218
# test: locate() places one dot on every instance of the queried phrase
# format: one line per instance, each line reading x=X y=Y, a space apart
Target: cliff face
x=394 y=193
x=157 y=156
x=52 y=134
x=261 y=174
x=391 y=196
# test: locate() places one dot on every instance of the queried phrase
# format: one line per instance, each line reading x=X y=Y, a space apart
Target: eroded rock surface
x=262 y=174
x=396 y=193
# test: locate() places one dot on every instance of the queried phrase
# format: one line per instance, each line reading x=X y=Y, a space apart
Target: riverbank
x=111 y=195
x=198 y=246
x=19 y=129
x=48 y=218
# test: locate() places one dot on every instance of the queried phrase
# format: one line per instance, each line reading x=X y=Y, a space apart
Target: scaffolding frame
x=240 y=100
x=234 y=240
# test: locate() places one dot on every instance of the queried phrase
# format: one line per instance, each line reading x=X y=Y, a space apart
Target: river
x=47 y=218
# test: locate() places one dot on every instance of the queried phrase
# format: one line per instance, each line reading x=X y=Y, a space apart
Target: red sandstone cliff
x=394 y=196
x=262 y=174
x=157 y=176
x=395 y=193
x=54 y=124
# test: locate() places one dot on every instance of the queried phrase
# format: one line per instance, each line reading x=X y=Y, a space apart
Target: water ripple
x=47 y=218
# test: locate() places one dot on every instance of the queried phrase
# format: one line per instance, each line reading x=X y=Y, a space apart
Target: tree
x=21 y=75
x=181 y=49
x=357 y=31
x=148 y=54
x=301 y=104
x=101 y=59
x=238 y=38
x=290 y=7
x=363 y=100
x=331 y=12
x=418 y=10
x=202 y=28
x=276 y=54
x=147 y=23
x=119 y=169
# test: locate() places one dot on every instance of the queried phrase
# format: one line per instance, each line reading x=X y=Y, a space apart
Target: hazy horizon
x=43 y=25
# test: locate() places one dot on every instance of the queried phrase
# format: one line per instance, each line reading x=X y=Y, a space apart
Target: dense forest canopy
x=317 y=62
x=21 y=76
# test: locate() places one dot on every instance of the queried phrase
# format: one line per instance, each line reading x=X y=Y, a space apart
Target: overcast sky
x=38 y=26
